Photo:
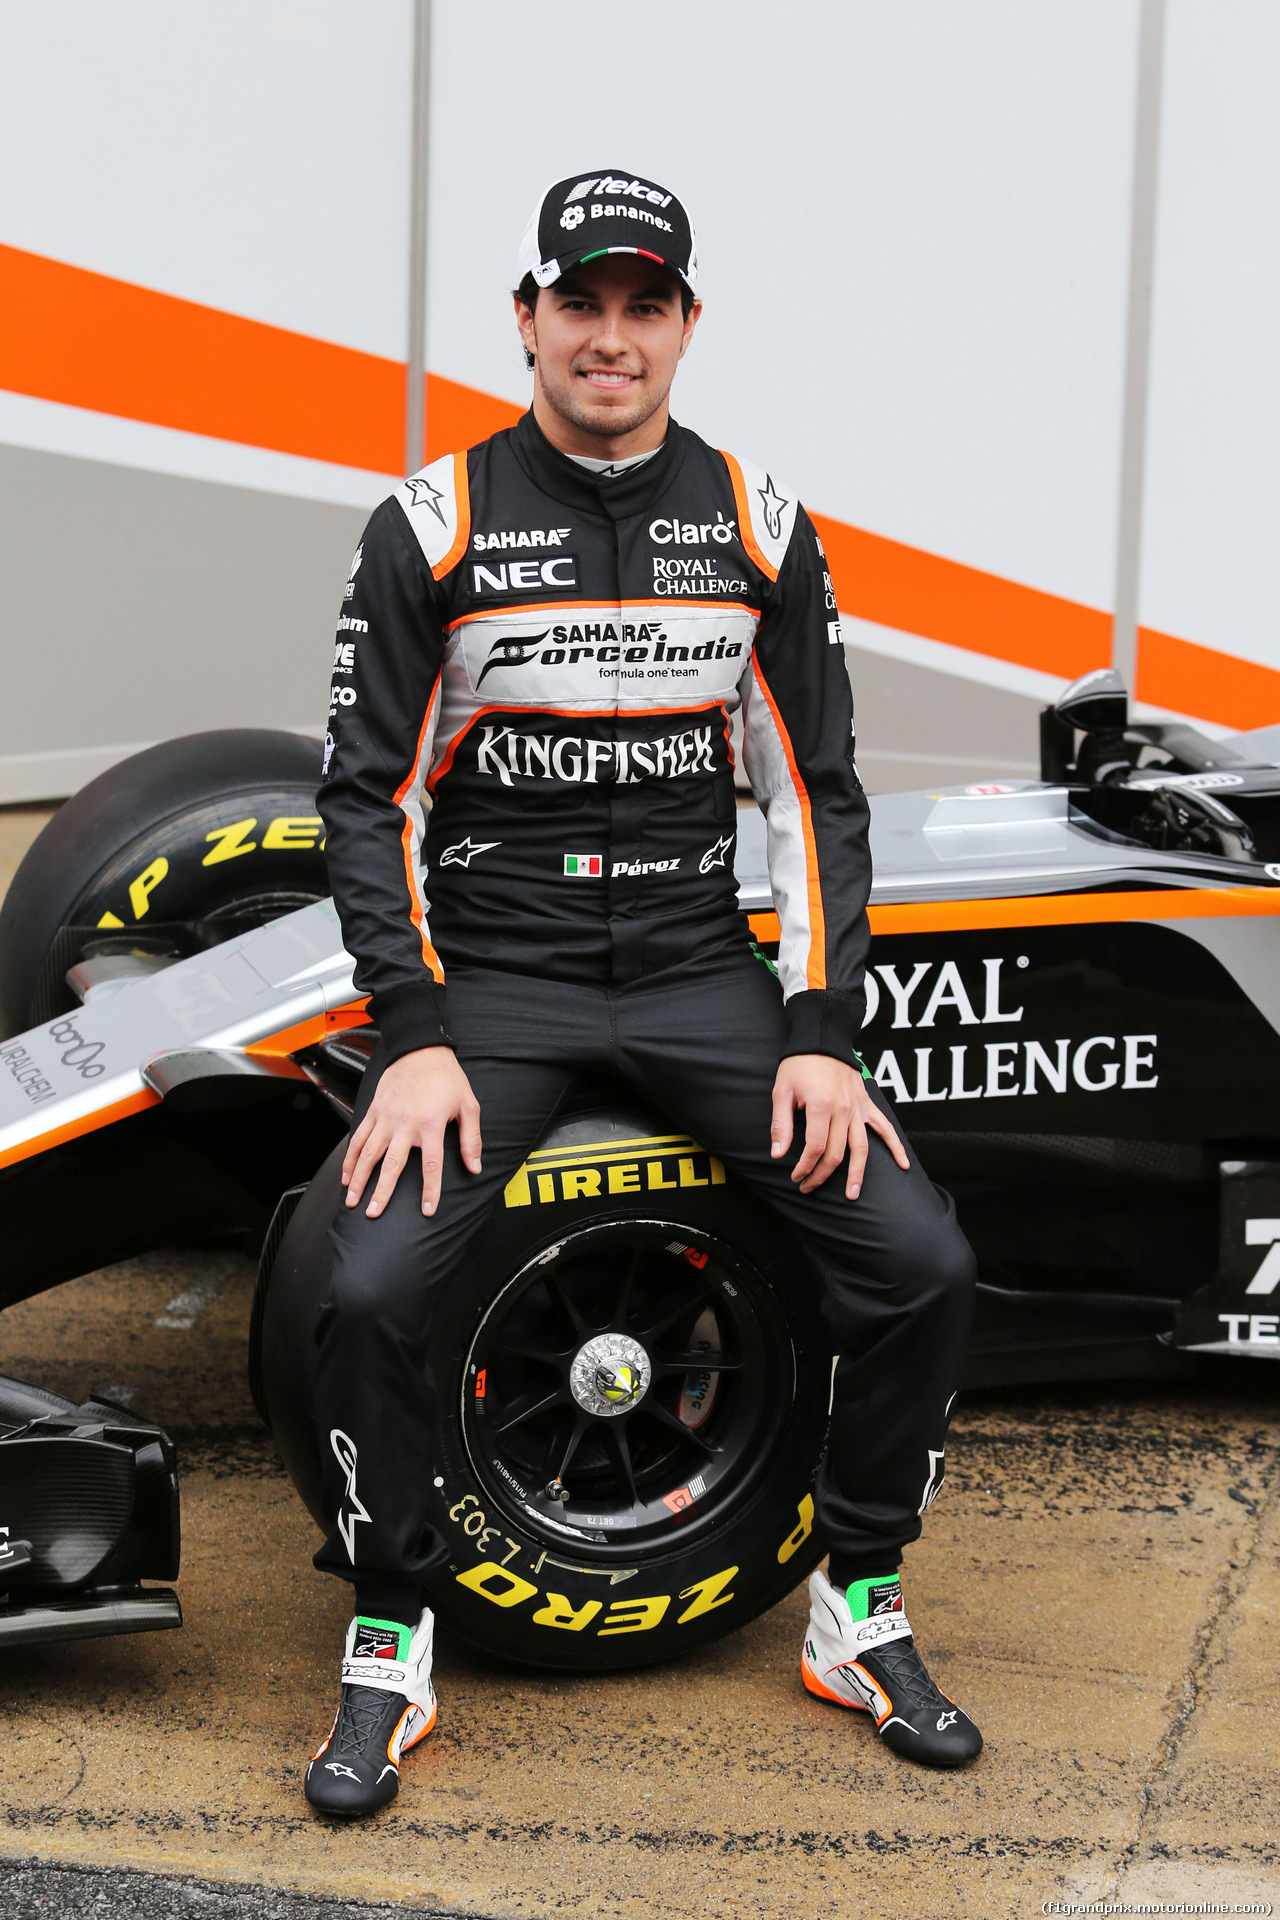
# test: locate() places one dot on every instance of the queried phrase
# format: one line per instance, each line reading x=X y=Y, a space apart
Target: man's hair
x=528 y=291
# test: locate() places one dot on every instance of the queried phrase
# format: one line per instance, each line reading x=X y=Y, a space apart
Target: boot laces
x=359 y=1718
x=908 y=1673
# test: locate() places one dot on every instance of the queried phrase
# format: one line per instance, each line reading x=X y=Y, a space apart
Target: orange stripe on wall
x=87 y=340
x=92 y=341
x=918 y=592
x=1200 y=680
x=459 y=416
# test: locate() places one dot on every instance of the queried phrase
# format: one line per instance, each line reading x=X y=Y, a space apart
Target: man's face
x=607 y=338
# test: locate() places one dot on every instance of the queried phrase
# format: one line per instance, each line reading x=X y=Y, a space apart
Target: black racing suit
x=529 y=794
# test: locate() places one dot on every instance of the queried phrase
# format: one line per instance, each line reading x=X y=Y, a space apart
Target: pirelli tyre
x=174 y=849
x=634 y=1389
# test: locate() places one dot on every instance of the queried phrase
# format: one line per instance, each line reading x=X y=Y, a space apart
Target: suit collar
x=632 y=493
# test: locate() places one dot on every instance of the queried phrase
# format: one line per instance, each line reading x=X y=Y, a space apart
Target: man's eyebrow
x=571 y=289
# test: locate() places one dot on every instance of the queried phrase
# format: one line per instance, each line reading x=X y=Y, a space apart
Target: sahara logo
x=522 y=537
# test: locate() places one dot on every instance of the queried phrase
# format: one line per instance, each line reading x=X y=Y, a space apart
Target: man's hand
x=416 y=1098
x=837 y=1112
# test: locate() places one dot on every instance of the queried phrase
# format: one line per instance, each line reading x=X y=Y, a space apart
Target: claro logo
x=78 y=1053
x=990 y=1069
x=690 y=533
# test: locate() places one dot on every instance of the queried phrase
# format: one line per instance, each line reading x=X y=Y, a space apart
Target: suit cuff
x=409 y=1017
x=820 y=1021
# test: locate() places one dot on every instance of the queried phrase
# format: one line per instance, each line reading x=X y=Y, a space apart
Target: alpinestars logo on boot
x=374 y=1641
x=885 y=1599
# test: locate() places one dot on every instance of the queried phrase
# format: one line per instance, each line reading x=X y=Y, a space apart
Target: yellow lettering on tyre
x=706 y=1595
x=292 y=830
x=230 y=842
x=141 y=889
x=582 y=1183
x=635 y=1616
x=497 y=1584
x=797 y=1539
x=560 y=1612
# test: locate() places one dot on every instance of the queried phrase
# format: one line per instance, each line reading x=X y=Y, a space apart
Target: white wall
x=249 y=154
x=913 y=232
x=1211 y=541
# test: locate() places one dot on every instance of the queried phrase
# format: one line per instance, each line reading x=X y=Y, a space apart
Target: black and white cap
x=596 y=213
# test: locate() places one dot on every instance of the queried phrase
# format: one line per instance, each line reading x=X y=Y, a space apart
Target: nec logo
x=559 y=572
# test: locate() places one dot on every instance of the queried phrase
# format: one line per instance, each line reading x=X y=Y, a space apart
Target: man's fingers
x=432 y=1145
x=857 y=1156
x=392 y=1166
x=372 y=1150
x=469 y=1134
x=817 y=1131
x=354 y=1146
x=875 y=1119
x=781 y=1129
x=833 y=1150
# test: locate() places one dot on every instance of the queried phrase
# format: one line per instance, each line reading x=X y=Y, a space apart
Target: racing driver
x=529 y=799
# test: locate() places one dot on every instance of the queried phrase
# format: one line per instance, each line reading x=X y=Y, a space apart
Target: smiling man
x=530 y=806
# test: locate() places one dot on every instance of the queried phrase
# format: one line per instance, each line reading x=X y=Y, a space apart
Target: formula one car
x=1073 y=998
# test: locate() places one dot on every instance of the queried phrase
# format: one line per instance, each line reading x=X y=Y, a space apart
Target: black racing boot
x=388 y=1705
x=859 y=1652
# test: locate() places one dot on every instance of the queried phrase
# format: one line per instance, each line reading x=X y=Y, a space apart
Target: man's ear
x=524 y=321
x=694 y=315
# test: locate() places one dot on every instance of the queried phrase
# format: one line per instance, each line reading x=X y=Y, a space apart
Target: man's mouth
x=607 y=382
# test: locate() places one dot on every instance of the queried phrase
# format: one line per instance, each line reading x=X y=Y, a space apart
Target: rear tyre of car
x=634 y=1390
x=179 y=847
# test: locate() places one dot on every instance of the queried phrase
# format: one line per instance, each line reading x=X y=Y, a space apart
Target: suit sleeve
x=798 y=749
x=384 y=703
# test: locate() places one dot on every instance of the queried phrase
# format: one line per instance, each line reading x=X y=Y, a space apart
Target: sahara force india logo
x=614 y=647
x=990 y=1069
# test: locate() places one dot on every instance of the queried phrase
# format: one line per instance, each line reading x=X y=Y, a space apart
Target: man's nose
x=609 y=336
